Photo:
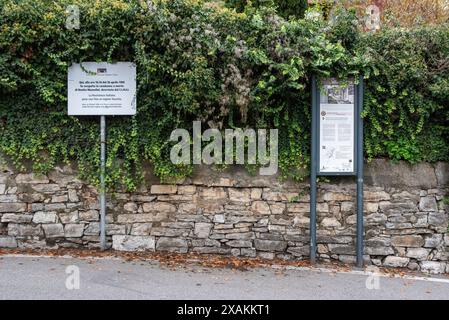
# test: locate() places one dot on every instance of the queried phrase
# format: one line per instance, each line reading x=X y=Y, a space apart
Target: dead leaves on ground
x=183 y=260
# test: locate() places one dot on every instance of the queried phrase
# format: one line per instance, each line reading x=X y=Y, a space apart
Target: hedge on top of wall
x=285 y=8
x=227 y=69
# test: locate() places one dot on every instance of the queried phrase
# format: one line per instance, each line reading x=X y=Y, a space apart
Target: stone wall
x=233 y=213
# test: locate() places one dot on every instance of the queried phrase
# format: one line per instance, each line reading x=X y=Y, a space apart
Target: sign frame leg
x=313 y=174
x=360 y=228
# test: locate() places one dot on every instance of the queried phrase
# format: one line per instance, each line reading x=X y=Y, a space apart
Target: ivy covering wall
x=227 y=69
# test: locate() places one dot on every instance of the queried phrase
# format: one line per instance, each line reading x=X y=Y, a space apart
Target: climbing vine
x=227 y=69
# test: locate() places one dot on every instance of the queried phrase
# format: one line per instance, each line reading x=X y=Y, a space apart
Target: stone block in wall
x=248 y=252
x=233 y=235
x=256 y=193
x=55 y=207
x=164 y=189
x=379 y=251
x=378 y=242
x=428 y=203
x=240 y=195
x=347 y=206
x=172 y=245
x=69 y=217
x=433 y=241
x=299 y=251
x=219 y=218
x=12 y=207
x=396 y=262
x=442 y=173
x=341 y=249
x=186 y=190
x=115 y=229
x=282 y=220
x=169 y=232
x=74 y=230
x=54 y=230
x=406 y=196
x=141 y=198
x=216 y=193
x=192 y=218
x=73 y=195
x=210 y=207
x=438 y=219
x=31 y=178
x=270 y=245
x=376 y=196
x=240 y=243
x=419 y=254
x=46 y=188
x=89 y=215
x=352 y=219
x=8 y=198
x=93 y=229
x=433 y=267
x=375 y=219
x=133 y=243
x=412 y=241
x=212 y=250
x=272 y=195
x=260 y=207
x=298 y=207
x=337 y=196
x=277 y=208
x=390 y=208
x=270 y=236
x=381 y=172
x=130 y=207
x=189 y=208
x=8 y=242
x=142 y=217
x=16 y=218
x=24 y=230
x=59 y=198
x=202 y=230
x=45 y=217
x=330 y=223
x=159 y=207
x=177 y=198
x=301 y=222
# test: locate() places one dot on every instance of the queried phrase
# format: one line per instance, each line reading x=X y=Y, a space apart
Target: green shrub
x=224 y=68
x=285 y=8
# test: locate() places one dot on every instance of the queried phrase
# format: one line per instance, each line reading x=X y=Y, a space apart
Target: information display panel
x=101 y=88
x=336 y=128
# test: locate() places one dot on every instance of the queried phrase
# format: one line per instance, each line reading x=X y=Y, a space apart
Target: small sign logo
x=101 y=70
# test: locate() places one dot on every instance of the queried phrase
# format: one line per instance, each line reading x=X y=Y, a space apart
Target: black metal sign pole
x=359 y=242
x=313 y=172
x=102 y=183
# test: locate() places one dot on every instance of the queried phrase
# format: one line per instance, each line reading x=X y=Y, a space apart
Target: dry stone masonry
x=233 y=213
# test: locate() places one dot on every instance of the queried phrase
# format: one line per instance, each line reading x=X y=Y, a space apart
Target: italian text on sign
x=101 y=88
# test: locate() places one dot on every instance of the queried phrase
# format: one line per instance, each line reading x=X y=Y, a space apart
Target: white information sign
x=336 y=125
x=101 y=88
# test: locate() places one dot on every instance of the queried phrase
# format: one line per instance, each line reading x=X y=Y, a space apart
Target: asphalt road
x=26 y=277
